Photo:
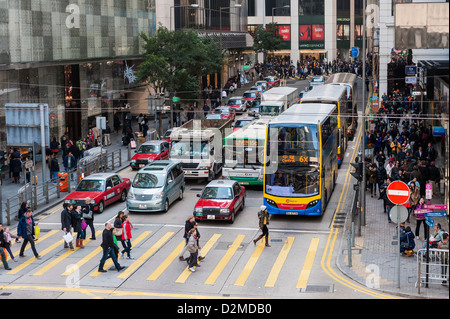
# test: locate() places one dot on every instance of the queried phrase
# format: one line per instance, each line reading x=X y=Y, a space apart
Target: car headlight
x=224 y=210
x=130 y=195
x=158 y=195
x=198 y=209
x=312 y=204
x=203 y=167
x=133 y=161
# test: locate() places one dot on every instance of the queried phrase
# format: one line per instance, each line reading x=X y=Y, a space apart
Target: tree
x=174 y=61
x=266 y=40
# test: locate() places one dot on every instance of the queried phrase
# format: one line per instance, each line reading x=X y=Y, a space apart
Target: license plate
x=291 y=213
x=211 y=217
x=188 y=172
x=143 y=206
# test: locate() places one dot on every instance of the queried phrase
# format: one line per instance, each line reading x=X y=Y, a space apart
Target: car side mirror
x=236 y=196
x=170 y=181
x=198 y=195
x=108 y=188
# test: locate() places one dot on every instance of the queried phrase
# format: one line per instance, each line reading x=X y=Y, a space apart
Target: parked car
x=272 y=81
x=220 y=200
x=150 y=151
x=250 y=96
x=242 y=121
x=91 y=155
x=225 y=112
x=102 y=188
x=156 y=186
x=237 y=103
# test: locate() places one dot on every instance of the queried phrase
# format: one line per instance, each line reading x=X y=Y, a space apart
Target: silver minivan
x=156 y=186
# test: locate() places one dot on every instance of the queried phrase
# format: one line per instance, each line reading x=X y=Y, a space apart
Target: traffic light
x=358 y=173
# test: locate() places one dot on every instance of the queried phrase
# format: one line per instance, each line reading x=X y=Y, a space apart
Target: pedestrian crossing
x=230 y=256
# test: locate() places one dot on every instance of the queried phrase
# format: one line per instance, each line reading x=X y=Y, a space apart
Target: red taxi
x=166 y=136
x=220 y=200
x=225 y=112
x=237 y=103
x=272 y=81
x=250 y=95
x=102 y=188
x=149 y=152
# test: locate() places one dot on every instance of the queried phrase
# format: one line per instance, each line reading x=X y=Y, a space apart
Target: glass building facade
x=71 y=55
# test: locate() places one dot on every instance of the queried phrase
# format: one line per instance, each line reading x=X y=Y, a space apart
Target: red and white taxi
x=220 y=200
x=149 y=152
x=237 y=103
x=250 y=95
x=225 y=112
x=272 y=81
x=102 y=188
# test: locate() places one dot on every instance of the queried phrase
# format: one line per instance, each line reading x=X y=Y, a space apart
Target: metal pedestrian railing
x=39 y=194
x=432 y=270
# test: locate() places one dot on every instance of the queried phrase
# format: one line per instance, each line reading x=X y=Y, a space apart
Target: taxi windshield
x=148 y=149
x=217 y=193
x=91 y=186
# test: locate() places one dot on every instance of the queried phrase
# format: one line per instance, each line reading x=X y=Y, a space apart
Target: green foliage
x=267 y=40
x=175 y=61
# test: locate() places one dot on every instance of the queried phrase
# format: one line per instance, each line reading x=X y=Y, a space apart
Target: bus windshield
x=294 y=153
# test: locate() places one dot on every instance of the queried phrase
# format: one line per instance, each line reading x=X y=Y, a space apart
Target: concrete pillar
x=295 y=52
x=330 y=29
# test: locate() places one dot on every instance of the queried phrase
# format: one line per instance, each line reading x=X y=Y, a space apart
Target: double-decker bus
x=300 y=167
x=335 y=95
x=244 y=153
x=349 y=81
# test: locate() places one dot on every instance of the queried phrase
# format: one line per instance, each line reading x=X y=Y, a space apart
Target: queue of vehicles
x=208 y=147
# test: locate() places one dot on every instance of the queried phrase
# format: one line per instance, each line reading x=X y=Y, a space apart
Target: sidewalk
x=375 y=257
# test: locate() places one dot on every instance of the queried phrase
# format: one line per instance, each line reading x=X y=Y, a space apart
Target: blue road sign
x=355 y=52
x=435 y=214
x=429 y=221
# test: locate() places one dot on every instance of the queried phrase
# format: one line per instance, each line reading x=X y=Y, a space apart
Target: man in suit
x=108 y=246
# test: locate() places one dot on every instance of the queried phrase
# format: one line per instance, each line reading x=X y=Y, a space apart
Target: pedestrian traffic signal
x=358 y=173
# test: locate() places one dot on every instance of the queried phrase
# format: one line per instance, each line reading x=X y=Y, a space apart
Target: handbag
x=37 y=231
x=132 y=144
x=68 y=237
x=118 y=231
x=83 y=225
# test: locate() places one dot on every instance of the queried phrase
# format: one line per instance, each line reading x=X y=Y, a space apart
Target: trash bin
x=63 y=182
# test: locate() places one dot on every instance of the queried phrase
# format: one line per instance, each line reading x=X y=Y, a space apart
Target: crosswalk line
x=250 y=264
x=145 y=256
x=40 y=240
x=224 y=261
x=163 y=266
x=109 y=262
x=276 y=268
x=33 y=259
x=307 y=266
x=66 y=254
x=206 y=248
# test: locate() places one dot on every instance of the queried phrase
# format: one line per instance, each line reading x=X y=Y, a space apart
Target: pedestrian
x=372 y=177
x=444 y=257
x=77 y=219
x=66 y=223
x=420 y=218
x=407 y=240
x=126 y=235
x=192 y=247
x=70 y=164
x=188 y=225
x=108 y=249
x=25 y=229
x=263 y=217
x=413 y=198
x=3 y=245
x=118 y=221
x=387 y=202
x=54 y=167
x=88 y=215
x=8 y=241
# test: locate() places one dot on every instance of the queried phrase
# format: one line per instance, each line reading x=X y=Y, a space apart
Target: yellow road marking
x=145 y=256
x=186 y=273
x=250 y=264
x=32 y=259
x=109 y=262
x=224 y=261
x=309 y=261
x=41 y=239
x=175 y=253
x=276 y=268
x=61 y=258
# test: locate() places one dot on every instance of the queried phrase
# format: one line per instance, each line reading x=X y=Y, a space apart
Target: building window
x=251 y=8
x=311 y=7
x=278 y=4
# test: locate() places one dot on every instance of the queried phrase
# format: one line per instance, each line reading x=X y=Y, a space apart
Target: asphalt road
x=298 y=265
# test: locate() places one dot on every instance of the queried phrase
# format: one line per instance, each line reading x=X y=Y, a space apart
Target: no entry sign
x=398 y=192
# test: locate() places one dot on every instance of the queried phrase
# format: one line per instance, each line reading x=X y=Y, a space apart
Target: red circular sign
x=398 y=192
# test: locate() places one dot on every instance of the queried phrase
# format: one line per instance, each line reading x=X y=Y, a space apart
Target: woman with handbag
x=78 y=223
x=420 y=218
x=88 y=215
x=118 y=227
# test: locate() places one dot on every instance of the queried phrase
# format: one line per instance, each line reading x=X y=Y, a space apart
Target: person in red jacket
x=126 y=236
